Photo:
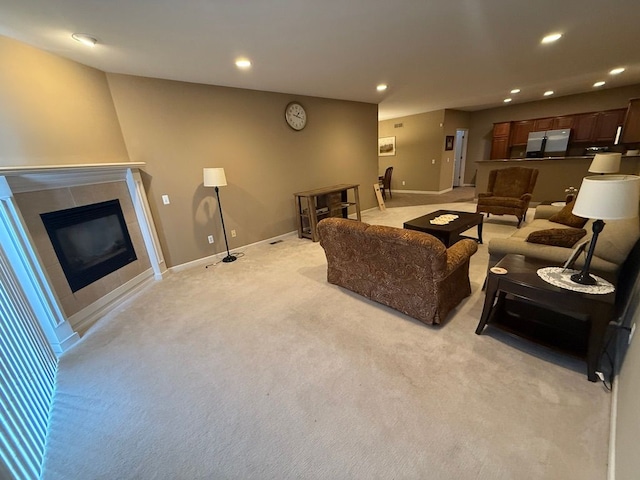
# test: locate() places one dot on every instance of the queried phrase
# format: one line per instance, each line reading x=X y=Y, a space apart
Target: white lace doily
x=561 y=277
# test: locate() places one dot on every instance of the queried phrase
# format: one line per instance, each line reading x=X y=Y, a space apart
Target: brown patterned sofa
x=409 y=271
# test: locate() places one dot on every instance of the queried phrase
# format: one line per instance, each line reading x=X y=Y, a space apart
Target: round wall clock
x=295 y=115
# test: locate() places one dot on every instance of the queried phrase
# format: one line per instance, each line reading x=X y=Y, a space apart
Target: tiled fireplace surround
x=25 y=193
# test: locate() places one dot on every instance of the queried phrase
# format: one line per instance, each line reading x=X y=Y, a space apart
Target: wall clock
x=295 y=115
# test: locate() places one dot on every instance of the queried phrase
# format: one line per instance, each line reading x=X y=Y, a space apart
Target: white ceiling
x=464 y=54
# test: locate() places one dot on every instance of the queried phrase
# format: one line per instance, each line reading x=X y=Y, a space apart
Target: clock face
x=296 y=116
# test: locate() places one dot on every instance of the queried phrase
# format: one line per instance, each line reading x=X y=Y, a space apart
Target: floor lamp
x=604 y=197
x=215 y=177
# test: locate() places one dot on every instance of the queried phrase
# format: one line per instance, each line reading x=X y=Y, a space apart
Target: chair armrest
x=459 y=253
x=526 y=197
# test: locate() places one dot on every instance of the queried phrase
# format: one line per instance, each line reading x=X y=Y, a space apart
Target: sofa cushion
x=616 y=239
x=560 y=237
x=566 y=217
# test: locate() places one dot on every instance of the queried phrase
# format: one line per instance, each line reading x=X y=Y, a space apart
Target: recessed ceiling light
x=551 y=38
x=506 y=100
x=84 y=39
x=548 y=92
x=515 y=90
x=243 y=63
x=598 y=84
x=382 y=87
x=617 y=71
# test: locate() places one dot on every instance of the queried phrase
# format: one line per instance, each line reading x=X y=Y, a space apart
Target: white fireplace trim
x=23 y=260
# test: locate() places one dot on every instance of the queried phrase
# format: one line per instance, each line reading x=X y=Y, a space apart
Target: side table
x=575 y=316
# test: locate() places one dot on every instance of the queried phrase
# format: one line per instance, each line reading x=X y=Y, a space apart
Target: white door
x=460 y=154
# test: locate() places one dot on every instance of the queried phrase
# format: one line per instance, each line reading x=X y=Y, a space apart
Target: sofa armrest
x=546 y=211
x=459 y=253
x=485 y=194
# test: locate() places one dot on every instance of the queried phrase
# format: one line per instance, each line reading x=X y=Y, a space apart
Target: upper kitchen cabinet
x=584 y=127
x=520 y=132
x=500 y=143
x=561 y=123
x=607 y=125
x=631 y=129
x=542 y=124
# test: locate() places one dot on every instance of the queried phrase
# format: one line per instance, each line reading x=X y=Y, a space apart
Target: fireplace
x=90 y=241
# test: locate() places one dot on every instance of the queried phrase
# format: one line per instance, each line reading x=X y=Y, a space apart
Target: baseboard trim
x=425 y=192
x=204 y=261
x=86 y=317
x=611 y=464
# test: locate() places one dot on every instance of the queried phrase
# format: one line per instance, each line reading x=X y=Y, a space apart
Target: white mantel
x=21 y=260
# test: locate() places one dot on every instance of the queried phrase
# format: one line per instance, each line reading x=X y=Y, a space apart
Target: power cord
x=237 y=255
x=600 y=375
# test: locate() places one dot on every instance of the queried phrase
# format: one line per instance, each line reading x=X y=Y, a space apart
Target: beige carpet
x=259 y=369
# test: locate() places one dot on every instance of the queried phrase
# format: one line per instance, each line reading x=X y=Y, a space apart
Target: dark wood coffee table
x=449 y=233
x=523 y=304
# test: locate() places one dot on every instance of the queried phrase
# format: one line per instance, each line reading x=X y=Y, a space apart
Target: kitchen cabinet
x=499 y=148
x=542 y=124
x=584 y=127
x=500 y=142
x=561 y=123
x=520 y=132
x=607 y=125
x=631 y=129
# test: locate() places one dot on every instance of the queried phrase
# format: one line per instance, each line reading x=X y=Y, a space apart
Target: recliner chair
x=508 y=192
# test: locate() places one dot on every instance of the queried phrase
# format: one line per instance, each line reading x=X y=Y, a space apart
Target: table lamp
x=605 y=163
x=215 y=177
x=604 y=197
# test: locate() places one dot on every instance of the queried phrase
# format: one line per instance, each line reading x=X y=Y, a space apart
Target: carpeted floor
x=259 y=369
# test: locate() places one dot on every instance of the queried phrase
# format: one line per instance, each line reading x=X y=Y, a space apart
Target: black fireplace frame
x=80 y=278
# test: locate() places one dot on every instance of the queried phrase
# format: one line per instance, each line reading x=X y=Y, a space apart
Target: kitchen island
x=555 y=173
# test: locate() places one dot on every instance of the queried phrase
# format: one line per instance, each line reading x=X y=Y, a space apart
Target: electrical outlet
x=633 y=330
x=210 y=238
x=433 y=161
x=233 y=233
x=403 y=183
x=165 y=199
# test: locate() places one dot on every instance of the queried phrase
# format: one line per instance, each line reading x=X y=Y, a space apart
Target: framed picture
x=448 y=143
x=386 y=146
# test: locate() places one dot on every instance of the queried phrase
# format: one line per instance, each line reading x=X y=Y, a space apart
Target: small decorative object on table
x=570 y=193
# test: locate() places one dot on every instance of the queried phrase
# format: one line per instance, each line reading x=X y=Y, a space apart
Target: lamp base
x=583 y=279
x=229 y=259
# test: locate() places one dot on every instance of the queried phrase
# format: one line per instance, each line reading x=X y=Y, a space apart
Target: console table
x=520 y=302
x=314 y=205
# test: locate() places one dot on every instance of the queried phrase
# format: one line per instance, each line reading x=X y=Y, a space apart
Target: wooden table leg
x=490 y=295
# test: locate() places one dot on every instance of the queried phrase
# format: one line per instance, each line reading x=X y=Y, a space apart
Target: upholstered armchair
x=509 y=192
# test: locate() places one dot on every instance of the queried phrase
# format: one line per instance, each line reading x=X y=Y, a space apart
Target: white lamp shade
x=605 y=163
x=214 y=177
x=608 y=197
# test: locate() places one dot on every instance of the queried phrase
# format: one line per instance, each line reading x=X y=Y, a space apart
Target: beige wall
x=453 y=120
x=179 y=128
x=421 y=160
x=54 y=111
x=481 y=126
x=419 y=141
x=627 y=462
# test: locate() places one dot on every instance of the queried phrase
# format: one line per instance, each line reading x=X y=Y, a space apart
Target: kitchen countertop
x=585 y=157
